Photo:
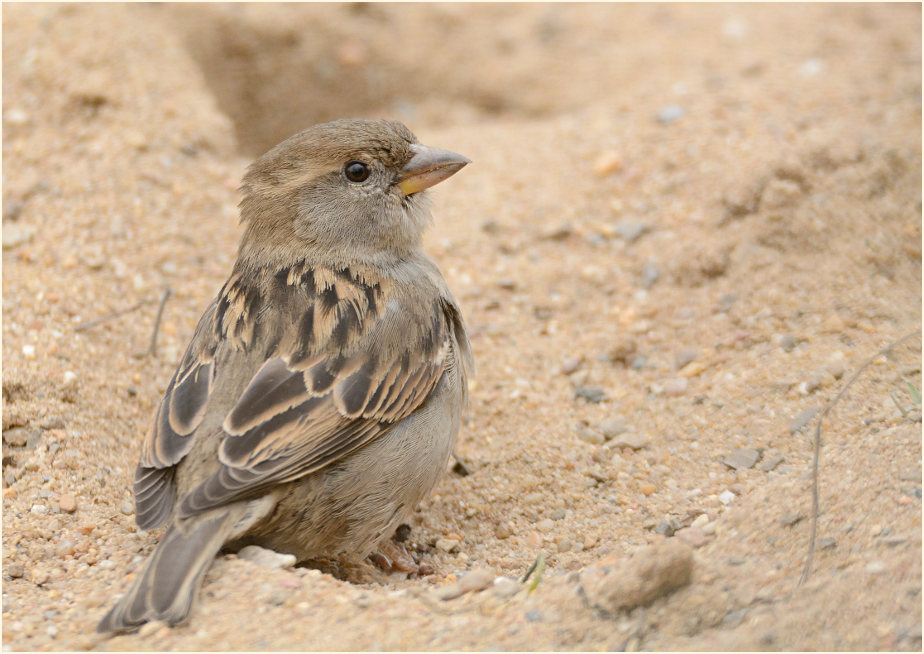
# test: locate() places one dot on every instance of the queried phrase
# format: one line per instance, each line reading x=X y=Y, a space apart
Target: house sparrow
x=321 y=394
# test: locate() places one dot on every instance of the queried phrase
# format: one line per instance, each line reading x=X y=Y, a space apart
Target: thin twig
x=814 y=530
x=109 y=316
x=152 y=348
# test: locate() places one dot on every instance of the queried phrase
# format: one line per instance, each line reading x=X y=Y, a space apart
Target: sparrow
x=321 y=394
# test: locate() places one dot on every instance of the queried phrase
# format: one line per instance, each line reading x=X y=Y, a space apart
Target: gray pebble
x=570 y=365
x=476 y=580
x=685 y=356
x=534 y=616
x=591 y=393
x=669 y=113
x=612 y=427
x=803 y=419
x=787 y=342
x=650 y=274
x=826 y=543
x=16 y=437
x=634 y=440
x=771 y=463
x=791 y=519
x=631 y=230
x=558 y=514
x=742 y=459
x=14 y=570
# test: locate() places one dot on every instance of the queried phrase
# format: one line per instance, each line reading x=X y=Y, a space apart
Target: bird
x=321 y=394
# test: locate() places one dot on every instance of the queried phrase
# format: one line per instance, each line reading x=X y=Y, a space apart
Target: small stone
x=612 y=427
x=607 y=163
x=692 y=536
x=592 y=394
x=14 y=570
x=127 y=508
x=545 y=526
x=833 y=324
x=590 y=436
x=39 y=509
x=647 y=489
x=64 y=547
x=564 y=545
x=685 y=356
x=650 y=274
x=15 y=234
x=803 y=419
x=16 y=437
x=28 y=351
x=676 y=386
x=742 y=459
x=503 y=530
x=669 y=113
x=534 y=540
x=150 y=628
x=631 y=230
x=701 y=521
x=787 y=342
x=726 y=497
x=266 y=558
x=876 y=567
x=39 y=576
x=570 y=365
x=448 y=545
x=619 y=584
x=505 y=587
x=448 y=592
x=771 y=463
x=476 y=580
x=835 y=365
x=558 y=514
x=630 y=439
x=791 y=519
x=67 y=503
x=826 y=543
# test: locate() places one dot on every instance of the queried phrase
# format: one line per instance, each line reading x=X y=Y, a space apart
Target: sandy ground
x=683 y=230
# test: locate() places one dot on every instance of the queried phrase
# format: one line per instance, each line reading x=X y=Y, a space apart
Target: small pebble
x=803 y=419
x=771 y=463
x=875 y=567
x=590 y=436
x=650 y=274
x=726 y=497
x=607 y=163
x=448 y=592
x=676 y=386
x=826 y=543
x=503 y=530
x=505 y=587
x=545 y=526
x=447 y=545
x=570 y=365
x=39 y=509
x=669 y=113
x=742 y=459
x=149 y=628
x=701 y=521
x=612 y=427
x=127 y=507
x=534 y=540
x=692 y=536
x=14 y=570
x=633 y=440
x=631 y=230
x=787 y=342
x=28 y=351
x=647 y=489
x=266 y=558
x=564 y=545
x=476 y=580
x=67 y=503
x=592 y=394
x=685 y=356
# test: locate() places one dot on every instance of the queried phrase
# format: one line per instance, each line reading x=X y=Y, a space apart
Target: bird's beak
x=427 y=167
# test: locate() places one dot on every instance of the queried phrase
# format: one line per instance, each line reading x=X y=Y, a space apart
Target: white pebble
x=726 y=497
x=39 y=509
x=28 y=351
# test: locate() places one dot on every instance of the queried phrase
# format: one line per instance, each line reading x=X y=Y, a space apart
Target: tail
x=165 y=589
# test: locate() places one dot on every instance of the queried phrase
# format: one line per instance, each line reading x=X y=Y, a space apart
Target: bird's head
x=348 y=191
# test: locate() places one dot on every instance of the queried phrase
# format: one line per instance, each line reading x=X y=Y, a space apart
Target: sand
x=684 y=229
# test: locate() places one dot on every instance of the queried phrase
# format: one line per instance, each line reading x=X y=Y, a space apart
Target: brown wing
x=178 y=416
x=357 y=358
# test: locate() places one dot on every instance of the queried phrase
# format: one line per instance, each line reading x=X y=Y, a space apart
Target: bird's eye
x=356 y=171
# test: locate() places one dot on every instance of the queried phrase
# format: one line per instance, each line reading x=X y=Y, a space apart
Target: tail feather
x=165 y=589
